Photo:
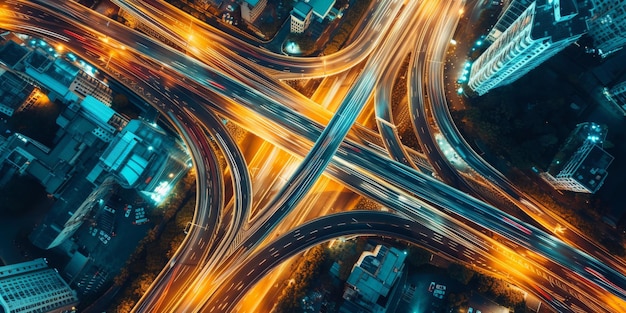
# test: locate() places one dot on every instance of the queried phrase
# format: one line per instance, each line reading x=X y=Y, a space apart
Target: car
x=441 y=287
x=127 y=213
x=431 y=287
x=471 y=310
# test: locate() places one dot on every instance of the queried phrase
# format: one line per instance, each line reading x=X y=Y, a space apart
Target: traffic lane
x=308 y=235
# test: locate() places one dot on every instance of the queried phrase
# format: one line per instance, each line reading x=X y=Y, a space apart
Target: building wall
x=34 y=287
x=508 y=17
x=86 y=85
x=496 y=63
x=299 y=26
x=618 y=93
x=607 y=25
x=79 y=215
x=517 y=51
x=251 y=12
x=566 y=179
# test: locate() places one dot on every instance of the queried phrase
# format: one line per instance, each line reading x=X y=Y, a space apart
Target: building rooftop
x=321 y=7
x=11 y=53
x=252 y=3
x=301 y=10
x=97 y=110
x=13 y=90
x=54 y=75
x=584 y=132
x=549 y=19
x=375 y=272
x=143 y=156
x=34 y=287
x=591 y=172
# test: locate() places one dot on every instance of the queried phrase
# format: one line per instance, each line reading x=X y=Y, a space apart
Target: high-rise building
x=34 y=287
x=321 y=8
x=301 y=17
x=509 y=15
x=539 y=32
x=581 y=164
x=251 y=9
x=607 y=25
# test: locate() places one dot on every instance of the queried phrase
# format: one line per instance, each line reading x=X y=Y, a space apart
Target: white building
x=301 y=17
x=607 y=25
x=509 y=15
x=251 y=9
x=86 y=85
x=543 y=29
x=34 y=287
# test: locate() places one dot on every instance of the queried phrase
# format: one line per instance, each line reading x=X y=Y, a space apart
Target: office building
x=371 y=280
x=34 y=287
x=85 y=130
x=542 y=30
x=251 y=9
x=301 y=17
x=607 y=25
x=581 y=164
x=510 y=14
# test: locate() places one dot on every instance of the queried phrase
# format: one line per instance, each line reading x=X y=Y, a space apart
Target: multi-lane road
x=273 y=112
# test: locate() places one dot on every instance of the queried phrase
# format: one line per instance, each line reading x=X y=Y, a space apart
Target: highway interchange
x=239 y=82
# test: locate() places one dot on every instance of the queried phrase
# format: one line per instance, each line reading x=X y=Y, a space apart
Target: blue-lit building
x=509 y=15
x=143 y=157
x=371 y=280
x=321 y=8
x=581 y=164
x=300 y=17
x=617 y=95
x=543 y=29
x=607 y=25
x=33 y=287
x=43 y=68
x=15 y=93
